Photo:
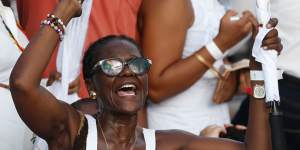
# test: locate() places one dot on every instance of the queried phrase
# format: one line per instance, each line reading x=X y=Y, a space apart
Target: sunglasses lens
x=139 y=65
x=112 y=67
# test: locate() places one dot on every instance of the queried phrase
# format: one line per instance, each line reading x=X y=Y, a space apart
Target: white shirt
x=287 y=12
x=9 y=50
x=14 y=134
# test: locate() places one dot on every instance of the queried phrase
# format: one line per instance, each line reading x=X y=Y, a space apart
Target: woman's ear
x=91 y=89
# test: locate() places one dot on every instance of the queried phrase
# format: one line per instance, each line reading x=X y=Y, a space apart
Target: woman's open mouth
x=127 y=89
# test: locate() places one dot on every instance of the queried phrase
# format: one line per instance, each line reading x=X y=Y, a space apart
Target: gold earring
x=93 y=95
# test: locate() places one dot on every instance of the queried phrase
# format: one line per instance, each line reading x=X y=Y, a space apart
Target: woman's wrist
x=205 y=54
x=254 y=65
x=214 y=50
x=257 y=86
x=221 y=44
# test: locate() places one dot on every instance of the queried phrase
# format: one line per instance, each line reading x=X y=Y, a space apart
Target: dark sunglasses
x=114 y=66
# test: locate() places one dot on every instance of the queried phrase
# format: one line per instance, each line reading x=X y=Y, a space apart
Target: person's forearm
x=258 y=132
x=163 y=41
x=35 y=58
x=33 y=102
x=178 y=77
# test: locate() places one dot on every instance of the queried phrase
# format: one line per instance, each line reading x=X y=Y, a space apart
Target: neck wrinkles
x=119 y=128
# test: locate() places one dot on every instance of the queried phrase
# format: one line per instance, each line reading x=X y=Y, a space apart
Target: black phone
x=234 y=134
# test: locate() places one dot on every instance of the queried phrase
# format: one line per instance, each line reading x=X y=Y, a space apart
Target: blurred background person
x=14 y=134
x=289 y=86
x=176 y=35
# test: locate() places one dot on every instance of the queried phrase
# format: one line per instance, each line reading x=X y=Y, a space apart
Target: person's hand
x=74 y=86
x=238 y=127
x=233 y=31
x=53 y=76
x=79 y=8
x=235 y=132
x=56 y=76
x=75 y=5
x=213 y=131
x=270 y=42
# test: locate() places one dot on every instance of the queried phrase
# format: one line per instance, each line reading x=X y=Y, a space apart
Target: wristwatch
x=259 y=91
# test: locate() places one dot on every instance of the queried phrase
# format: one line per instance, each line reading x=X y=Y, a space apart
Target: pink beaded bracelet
x=57 y=20
x=56 y=24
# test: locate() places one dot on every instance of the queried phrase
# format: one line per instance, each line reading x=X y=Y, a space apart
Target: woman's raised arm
x=38 y=108
x=258 y=136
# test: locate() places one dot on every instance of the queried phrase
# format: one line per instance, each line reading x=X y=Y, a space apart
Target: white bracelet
x=258 y=75
x=214 y=50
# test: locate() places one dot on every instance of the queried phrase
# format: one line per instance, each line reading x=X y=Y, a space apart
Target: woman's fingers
x=213 y=131
x=240 y=127
x=74 y=86
x=54 y=76
x=253 y=21
x=277 y=47
x=252 y=18
x=73 y=90
x=272 y=33
x=270 y=41
x=272 y=23
x=228 y=125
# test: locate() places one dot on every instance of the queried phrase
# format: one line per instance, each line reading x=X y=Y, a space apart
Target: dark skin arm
x=257 y=136
x=38 y=108
x=258 y=132
x=165 y=24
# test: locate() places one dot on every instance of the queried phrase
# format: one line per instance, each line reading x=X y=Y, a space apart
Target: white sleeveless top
x=192 y=110
x=9 y=50
x=92 y=137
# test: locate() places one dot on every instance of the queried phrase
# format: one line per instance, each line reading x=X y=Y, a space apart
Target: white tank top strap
x=92 y=137
x=150 y=140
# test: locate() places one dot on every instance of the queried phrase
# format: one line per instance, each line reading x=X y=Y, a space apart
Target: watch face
x=259 y=91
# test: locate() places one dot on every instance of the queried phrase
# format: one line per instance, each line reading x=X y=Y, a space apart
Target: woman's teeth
x=132 y=86
x=127 y=90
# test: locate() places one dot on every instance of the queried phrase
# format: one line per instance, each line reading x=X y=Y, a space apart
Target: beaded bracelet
x=56 y=24
x=57 y=20
x=55 y=27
